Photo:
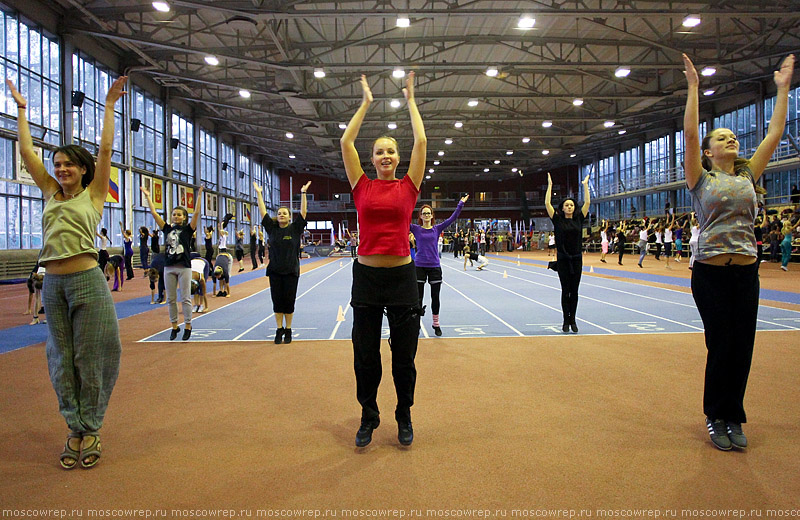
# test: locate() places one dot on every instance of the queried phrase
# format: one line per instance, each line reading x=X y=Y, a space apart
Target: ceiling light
x=547 y=124
x=161 y=6
x=448 y=141
x=436 y=163
x=514 y=170
x=526 y=22
x=691 y=21
x=458 y=124
x=319 y=73
x=486 y=170
x=509 y=152
x=526 y=140
x=491 y=72
x=573 y=155
x=441 y=153
x=545 y=152
x=472 y=102
x=431 y=170
x=403 y=21
x=622 y=72
x=609 y=124
x=395 y=103
x=577 y=102
x=291 y=156
x=398 y=73
x=342 y=126
x=245 y=93
x=392 y=126
x=708 y=71
x=289 y=135
x=497 y=161
x=212 y=60
x=427 y=176
x=709 y=92
x=622 y=132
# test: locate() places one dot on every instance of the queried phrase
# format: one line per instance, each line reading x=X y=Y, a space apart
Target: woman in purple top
x=427 y=260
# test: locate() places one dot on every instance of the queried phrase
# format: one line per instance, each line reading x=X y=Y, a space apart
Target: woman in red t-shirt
x=384 y=277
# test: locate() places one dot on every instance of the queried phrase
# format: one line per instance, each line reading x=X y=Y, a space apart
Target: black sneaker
x=287 y=335
x=437 y=330
x=574 y=326
x=405 y=433
x=186 y=334
x=174 y=334
x=279 y=336
x=719 y=434
x=565 y=326
x=364 y=434
x=736 y=435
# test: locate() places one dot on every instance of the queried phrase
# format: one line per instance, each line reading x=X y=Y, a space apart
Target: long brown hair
x=740 y=165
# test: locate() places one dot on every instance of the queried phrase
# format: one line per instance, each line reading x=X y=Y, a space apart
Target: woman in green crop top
x=83 y=346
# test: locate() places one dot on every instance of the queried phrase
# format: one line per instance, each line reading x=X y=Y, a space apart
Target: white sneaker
x=784 y=268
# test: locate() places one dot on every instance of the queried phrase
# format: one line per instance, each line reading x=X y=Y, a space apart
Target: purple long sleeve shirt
x=428 y=240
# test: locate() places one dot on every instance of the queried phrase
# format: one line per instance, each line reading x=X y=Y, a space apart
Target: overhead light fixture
x=291 y=156
x=497 y=161
x=547 y=124
x=708 y=71
x=436 y=163
x=486 y=170
x=573 y=155
x=212 y=60
x=403 y=21
x=577 y=102
x=448 y=141
x=472 y=103
x=509 y=152
x=431 y=170
x=691 y=21
x=609 y=124
x=492 y=72
x=526 y=140
x=395 y=103
x=458 y=124
x=622 y=72
x=622 y=132
x=319 y=73
x=398 y=73
x=545 y=152
x=161 y=6
x=342 y=126
x=514 y=170
x=709 y=92
x=441 y=153
x=526 y=22
x=392 y=126
x=289 y=135
x=245 y=93
x=427 y=176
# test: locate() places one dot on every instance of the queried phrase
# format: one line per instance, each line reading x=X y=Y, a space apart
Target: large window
x=656 y=162
x=606 y=178
x=87 y=125
x=228 y=170
x=148 y=142
x=244 y=177
x=183 y=154
x=208 y=160
x=629 y=172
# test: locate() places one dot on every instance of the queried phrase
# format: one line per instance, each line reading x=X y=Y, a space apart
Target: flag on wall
x=158 y=194
x=246 y=211
x=113 y=185
x=190 y=199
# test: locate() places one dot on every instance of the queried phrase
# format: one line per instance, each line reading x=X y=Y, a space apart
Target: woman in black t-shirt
x=568 y=227
x=283 y=268
x=177 y=265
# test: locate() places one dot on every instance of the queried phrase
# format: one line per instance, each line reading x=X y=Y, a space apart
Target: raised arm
x=33 y=163
x=586 y=199
x=98 y=188
x=456 y=213
x=352 y=164
x=304 y=200
x=262 y=208
x=693 y=165
x=156 y=216
x=416 y=168
x=197 y=205
x=783 y=80
x=547 y=196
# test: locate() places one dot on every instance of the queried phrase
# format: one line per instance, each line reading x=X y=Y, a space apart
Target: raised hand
x=305 y=187
x=408 y=92
x=585 y=180
x=256 y=187
x=116 y=92
x=549 y=180
x=366 y=90
x=690 y=72
x=18 y=98
x=464 y=198
x=145 y=191
x=783 y=77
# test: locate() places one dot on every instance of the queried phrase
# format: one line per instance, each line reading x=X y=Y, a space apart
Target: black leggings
x=253 y=255
x=436 y=288
x=621 y=247
x=570 y=280
x=129 y=265
x=283 y=289
x=727 y=300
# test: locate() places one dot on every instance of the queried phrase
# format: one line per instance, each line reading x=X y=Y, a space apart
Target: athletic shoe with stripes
x=736 y=435
x=718 y=431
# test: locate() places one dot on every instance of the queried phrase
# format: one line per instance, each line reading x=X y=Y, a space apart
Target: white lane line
x=345 y=308
x=490 y=313
x=531 y=299
x=306 y=292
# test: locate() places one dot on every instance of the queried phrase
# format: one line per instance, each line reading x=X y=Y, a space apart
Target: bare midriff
x=729 y=259
x=383 y=260
x=73 y=264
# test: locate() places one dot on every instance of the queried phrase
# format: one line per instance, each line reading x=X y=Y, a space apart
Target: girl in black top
x=154 y=242
x=284 y=260
x=239 y=237
x=178 y=264
x=209 y=233
x=253 y=246
x=144 y=251
x=568 y=226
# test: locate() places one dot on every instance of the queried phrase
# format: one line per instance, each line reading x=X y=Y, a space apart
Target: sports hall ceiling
x=272 y=48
